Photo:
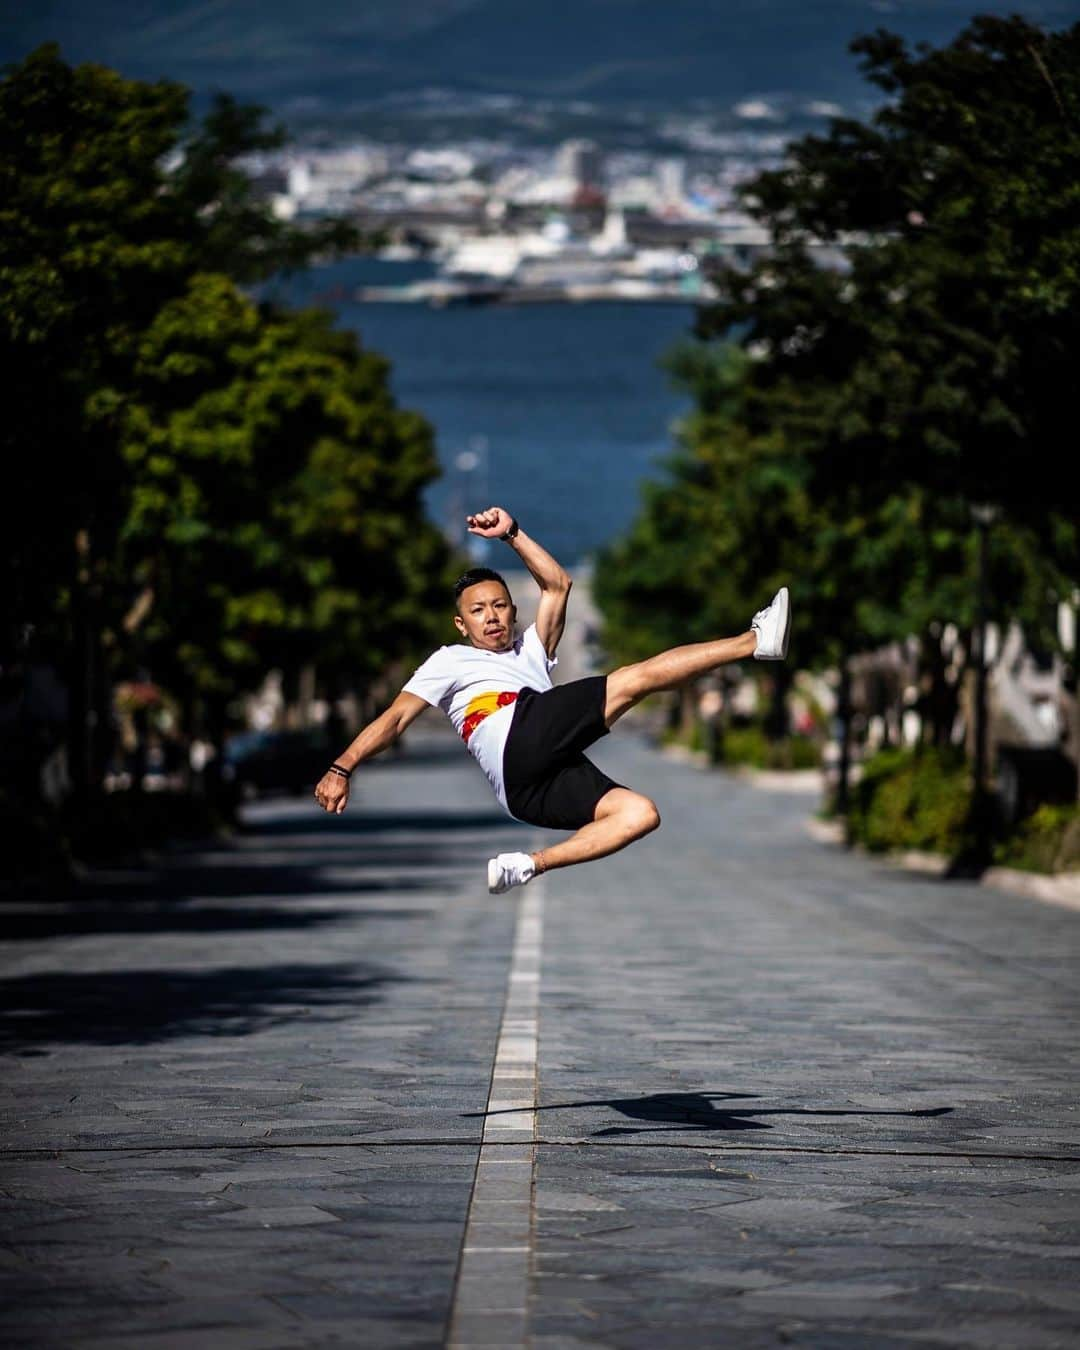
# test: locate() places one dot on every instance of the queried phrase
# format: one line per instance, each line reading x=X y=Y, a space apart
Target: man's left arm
x=553 y=581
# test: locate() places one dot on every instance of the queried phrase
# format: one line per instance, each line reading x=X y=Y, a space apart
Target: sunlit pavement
x=783 y=1095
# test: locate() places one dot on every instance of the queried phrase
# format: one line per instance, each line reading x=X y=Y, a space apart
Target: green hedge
x=750 y=746
x=911 y=800
x=1048 y=841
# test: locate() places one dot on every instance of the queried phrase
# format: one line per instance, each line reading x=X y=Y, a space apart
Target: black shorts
x=548 y=779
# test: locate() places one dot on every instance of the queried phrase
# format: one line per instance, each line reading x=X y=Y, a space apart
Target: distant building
x=671 y=184
x=582 y=163
x=327 y=181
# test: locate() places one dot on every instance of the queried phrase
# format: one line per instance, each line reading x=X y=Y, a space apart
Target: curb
x=1063 y=890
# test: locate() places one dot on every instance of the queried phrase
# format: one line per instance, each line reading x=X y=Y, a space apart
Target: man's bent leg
x=668 y=670
x=621 y=817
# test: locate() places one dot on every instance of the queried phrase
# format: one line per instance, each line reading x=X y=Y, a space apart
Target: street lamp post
x=466 y=463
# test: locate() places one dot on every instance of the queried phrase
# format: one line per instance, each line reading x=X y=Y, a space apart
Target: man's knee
x=642 y=815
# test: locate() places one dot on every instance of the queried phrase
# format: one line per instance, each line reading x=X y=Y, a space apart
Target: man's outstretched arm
x=553 y=581
x=332 y=792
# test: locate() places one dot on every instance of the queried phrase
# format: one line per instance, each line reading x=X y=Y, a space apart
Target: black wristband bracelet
x=511 y=532
x=340 y=770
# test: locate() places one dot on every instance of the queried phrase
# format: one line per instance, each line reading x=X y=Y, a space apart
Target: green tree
x=924 y=370
x=729 y=523
x=96 y=233
x=941 y=351
x=950 y=334
x=200 y=483
x=276 y=517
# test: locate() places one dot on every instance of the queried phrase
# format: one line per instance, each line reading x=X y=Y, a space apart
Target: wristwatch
x=511 y=532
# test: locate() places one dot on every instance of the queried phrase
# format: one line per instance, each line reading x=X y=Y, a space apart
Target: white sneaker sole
x=783 y=622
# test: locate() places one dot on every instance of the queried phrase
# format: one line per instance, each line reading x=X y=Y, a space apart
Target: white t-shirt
x=478 y=689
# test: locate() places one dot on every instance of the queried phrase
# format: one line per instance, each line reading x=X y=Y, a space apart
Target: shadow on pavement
x=135 y=1007
x=132 y=919
x=681 y=1111
x=296 y=864
x=251 y=880
x=364 y=821
x=277 y=886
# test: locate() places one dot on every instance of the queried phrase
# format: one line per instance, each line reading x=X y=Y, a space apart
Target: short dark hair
x=473 y=577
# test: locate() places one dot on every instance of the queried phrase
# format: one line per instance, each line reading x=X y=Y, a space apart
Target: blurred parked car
x=276 y=761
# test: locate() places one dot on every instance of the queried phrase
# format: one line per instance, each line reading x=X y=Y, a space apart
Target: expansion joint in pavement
x=706 y=1146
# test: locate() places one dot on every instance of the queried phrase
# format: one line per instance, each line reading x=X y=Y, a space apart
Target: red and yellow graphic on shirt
x=483 y=705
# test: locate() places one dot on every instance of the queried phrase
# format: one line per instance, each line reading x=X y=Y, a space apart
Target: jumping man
x=529 y=736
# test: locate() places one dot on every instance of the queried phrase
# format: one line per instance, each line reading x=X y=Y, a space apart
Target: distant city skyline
x=321 y=65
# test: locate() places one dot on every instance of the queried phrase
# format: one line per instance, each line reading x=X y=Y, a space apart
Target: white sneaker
x=509 y=869
x=773 y=627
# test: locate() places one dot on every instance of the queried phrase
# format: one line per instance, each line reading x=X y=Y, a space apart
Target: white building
x=328 y=180
x=671 y=184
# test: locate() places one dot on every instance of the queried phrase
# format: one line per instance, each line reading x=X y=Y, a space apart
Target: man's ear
x=459 y=625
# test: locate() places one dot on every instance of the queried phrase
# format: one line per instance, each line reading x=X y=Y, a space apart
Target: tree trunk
x=336 y=729
x=688 y=698
x=716 y=725
x=843 y=768
x=80 y=672
x=290 y=685
x=187 y=735
x=141 y=721
x=306 y=696
x=103 y=728
x=1071 y=698
x=213 y=776
x=940 y=697
x=777 y=725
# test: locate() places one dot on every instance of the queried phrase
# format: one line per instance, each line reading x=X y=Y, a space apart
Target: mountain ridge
x=606 y=51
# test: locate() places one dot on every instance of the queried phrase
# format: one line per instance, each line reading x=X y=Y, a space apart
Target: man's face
x=485 y=616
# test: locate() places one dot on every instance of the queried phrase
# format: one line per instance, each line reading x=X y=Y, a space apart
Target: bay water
x=555 y=411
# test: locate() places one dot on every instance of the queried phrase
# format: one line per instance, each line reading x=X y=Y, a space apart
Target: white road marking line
x=492 y=1290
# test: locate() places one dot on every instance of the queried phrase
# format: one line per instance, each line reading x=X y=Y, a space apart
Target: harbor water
x=556 y=411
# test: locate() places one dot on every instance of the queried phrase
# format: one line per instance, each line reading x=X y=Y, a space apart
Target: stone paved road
x=786 y=1096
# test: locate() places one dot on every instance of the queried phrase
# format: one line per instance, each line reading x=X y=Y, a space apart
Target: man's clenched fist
x=332 y=793
x=491 y=523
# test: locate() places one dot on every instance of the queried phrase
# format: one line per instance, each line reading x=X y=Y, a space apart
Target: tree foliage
x=204 y=486
x=946 y=338
x=277 y=502
x=905 y=352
